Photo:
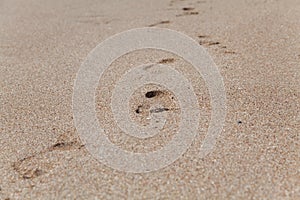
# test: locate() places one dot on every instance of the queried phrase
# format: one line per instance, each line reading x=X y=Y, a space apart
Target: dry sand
x=255 y=44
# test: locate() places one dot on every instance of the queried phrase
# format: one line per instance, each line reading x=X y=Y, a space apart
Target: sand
x=256 y=46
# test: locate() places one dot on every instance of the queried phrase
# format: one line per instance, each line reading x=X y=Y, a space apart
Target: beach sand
x=256 y=46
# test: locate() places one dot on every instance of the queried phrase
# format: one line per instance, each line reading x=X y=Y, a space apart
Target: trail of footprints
x=204 y=40
x=29 y=171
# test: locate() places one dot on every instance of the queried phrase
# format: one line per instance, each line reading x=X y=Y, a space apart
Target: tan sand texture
x=254 y=44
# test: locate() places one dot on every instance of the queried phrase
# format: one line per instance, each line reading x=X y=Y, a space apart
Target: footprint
x=188 y=13
x=209 y=43
x=161 y=22
x=203 y=36
x=166 y=60
x=187 y=8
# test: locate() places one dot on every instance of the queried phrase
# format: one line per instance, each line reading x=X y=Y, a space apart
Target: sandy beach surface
x=256 y=46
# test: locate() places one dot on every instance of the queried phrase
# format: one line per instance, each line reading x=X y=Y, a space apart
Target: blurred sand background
x=255 y=44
